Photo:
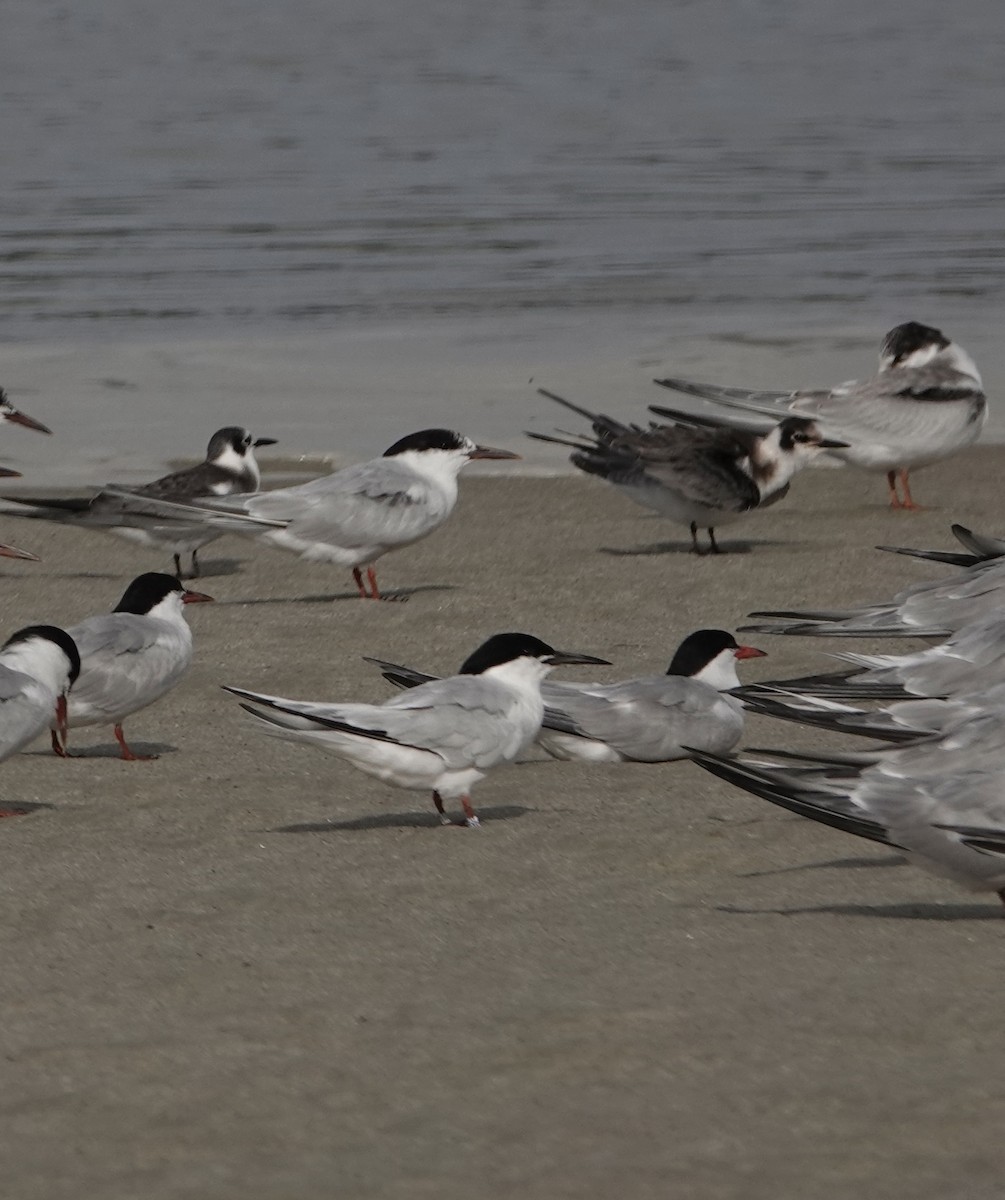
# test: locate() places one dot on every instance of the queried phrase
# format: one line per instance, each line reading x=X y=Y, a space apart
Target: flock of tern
x=930 y=782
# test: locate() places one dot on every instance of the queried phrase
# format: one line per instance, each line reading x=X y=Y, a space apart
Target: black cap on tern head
x=147 y=591
x=904 y=340
x=51 y=633
x=507 y=647
x=428 y=439
x=698 y=649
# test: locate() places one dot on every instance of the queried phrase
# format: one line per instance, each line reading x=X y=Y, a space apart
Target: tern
x=696 y=472
x=648 y=719
x=38 y=666
x=440 y=737
x=926 y=403
x=229 y=467
x=129 y=658
x=937 y=800
x=353 y=516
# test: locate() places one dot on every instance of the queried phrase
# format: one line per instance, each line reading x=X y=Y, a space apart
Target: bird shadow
x=862 y=864
x=397 y=594
x=21 y=808
x=405 y=820
x=893 y=912
x=214 y=568
x=656 y=548
x=111 y=750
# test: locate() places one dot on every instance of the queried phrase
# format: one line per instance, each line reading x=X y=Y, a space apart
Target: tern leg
x=908 y=501
x=470 y=816
x=695 y=548
x=891 y=483
x=357 y=574
x=194 y=573
x=126 y=753
x=713 y=545
x=1001 y=895
x=438 y=802
x=57 y=746
x=177 y=566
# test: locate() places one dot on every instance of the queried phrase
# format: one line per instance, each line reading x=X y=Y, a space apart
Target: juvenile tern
x=699 y=473
x=442 y=736
x=229 y=467
x=129 y=657
x=353 y=516
x=648 y=719
x=926 y=403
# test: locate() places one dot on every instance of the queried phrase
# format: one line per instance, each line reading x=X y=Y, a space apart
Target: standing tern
x=926 y=403
x=38 y=666
x=931 y=799
x=442 y=736
x=230 y=467
x=649 y=719
x=129 y=657
x=699 y=473
x=353 y=516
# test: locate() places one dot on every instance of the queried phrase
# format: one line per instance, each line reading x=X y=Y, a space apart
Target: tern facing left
x=38 y=666
x=129 y=657
x=926 y=403
x=353 y=516
x=442 y=736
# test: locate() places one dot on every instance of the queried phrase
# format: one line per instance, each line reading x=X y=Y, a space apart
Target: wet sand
x=247 y=971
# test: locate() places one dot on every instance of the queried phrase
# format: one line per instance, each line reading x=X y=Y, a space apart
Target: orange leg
x=58 y=747
x=908 y=501
x=126 y=753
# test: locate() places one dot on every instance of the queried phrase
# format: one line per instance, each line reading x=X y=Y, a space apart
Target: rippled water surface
x=382 y=203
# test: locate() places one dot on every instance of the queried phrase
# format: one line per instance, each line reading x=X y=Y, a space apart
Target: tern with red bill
x=352 y=517
x=648 y=719
x=129 y=657
x=440 y=737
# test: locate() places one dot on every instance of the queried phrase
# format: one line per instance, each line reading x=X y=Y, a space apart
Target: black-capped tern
x=38 y=666
x=353 y=516
x=440 y=737
x=926 y=403
x=697 y=472
x=130 y=657
x=648 y=719
x=229 y=467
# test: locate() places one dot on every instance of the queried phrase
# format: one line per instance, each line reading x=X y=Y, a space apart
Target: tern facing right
x=926 y=403
x=130 y=657
x=440 y=737
x=701 y=473
x=229 y=467
x=353 y=516
x=649 y=719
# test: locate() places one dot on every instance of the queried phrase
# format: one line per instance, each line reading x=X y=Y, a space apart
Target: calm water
x=438 y=186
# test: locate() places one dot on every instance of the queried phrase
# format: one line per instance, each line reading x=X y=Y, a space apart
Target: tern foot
x=126 y=754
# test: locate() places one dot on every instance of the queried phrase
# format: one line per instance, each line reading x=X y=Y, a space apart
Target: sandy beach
x=247 y=972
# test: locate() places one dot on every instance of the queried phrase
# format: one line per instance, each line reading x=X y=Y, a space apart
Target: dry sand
x=247 y=972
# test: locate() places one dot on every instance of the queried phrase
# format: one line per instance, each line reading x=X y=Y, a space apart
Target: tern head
x=157 y=595
x=710 y=656
x=443 y=445
x=9 y=413
x=232 y=445
x=911 y=345
x=504 y=648
x=46 y=652
x=803 y=438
